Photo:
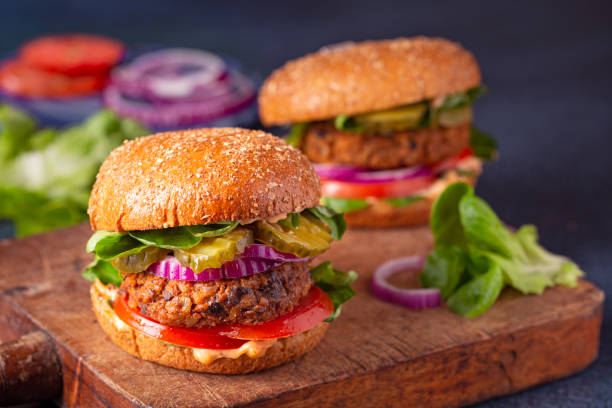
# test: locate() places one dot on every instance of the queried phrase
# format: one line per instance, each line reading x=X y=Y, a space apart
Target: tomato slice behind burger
x=315 y=307
x=23 y=80
x=450 y=162
x=72 y=54
x=390 y=189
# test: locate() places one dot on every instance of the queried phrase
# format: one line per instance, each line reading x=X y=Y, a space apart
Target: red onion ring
x=417 y=298
x=360 y=175
x=255 y=259
x=183 y=112
x=172 y=74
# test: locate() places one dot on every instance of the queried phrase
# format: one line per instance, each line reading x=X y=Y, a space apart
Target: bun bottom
x=148 y=348
x=381 y=214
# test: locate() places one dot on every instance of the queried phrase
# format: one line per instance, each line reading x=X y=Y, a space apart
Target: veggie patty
x=250 y=300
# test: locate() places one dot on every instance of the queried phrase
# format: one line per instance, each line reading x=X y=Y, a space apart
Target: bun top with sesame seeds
x=200 y=176
x=352 y=78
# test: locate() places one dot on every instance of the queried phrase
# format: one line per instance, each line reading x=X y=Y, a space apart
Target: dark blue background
x=547 y=66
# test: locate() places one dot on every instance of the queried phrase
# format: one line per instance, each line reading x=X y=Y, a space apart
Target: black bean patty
x=323 y=143
x=251 y=300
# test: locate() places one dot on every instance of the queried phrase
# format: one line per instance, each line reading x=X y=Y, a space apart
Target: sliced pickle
x=310 y=238
x=139 y=262
x=215 y=251
x=393 y=120
x=455 y=117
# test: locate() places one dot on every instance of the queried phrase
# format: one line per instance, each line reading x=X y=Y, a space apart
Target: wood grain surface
x=375 y=354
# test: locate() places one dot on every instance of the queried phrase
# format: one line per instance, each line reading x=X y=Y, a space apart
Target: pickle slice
x=455 y=117
x=139 y=262
x=393 y=120
x=215 y=251
x=310 y=238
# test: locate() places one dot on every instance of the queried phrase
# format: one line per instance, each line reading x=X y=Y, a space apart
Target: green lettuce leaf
x=109 y=245
x=103 y=270
x=484 y=230
x=169 y=238
x=404 y=201
x=212 y=230
x=46 y=175
x=183 y=237
x=347 y=123
x=34 y=212
x=344 y=205
x=445 y=220
x=462 y=99
x=475 y=255
x=335 y=283
x=295 y=135
x=443 y=269
x=483 y=144
x=476 y=296
x=15 y=132
x=335 y=220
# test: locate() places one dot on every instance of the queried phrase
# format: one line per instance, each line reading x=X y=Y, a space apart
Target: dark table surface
x=547 y=65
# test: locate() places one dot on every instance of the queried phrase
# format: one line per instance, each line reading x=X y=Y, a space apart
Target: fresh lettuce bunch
x=46 y=174
x=476 y=255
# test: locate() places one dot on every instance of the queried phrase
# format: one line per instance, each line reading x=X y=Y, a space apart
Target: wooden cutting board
x=375 y=354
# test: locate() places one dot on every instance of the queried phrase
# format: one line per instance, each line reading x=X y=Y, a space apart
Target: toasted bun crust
x=352 y=78
x=148 y=348
x=200 y=176
x=381 y=214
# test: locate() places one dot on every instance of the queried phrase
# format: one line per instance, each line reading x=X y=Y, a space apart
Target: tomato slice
x=72 y=54
x=315 y=307
x=23 y=80
x=390 y=189
x=451 y=162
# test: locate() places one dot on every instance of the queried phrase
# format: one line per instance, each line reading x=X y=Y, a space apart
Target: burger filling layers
x=395 y=157
x=221 y=286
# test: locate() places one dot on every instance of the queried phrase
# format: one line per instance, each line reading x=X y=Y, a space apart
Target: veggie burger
x=387 y=124
x=203 y=243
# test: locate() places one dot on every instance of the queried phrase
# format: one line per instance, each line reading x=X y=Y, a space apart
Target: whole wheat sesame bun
x=148 y=348
x=200 y=176
x=352 y=78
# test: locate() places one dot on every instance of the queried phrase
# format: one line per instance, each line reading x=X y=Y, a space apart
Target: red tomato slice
x=315 y=307
x=23 y=80
x=72 y=54
x=389 y=189
x=451 y=162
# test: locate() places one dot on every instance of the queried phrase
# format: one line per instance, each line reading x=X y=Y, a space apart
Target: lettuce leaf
x=103 y=270
x=335 y=220
x=35 y=212
x=483 y=144
x=476 y=296
x=296 y=133
x=336 y=284
x=474 y=252
x=404 y=201
x=16 y=129
x=53 y=169
x=344 y=205
x=109 y=245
